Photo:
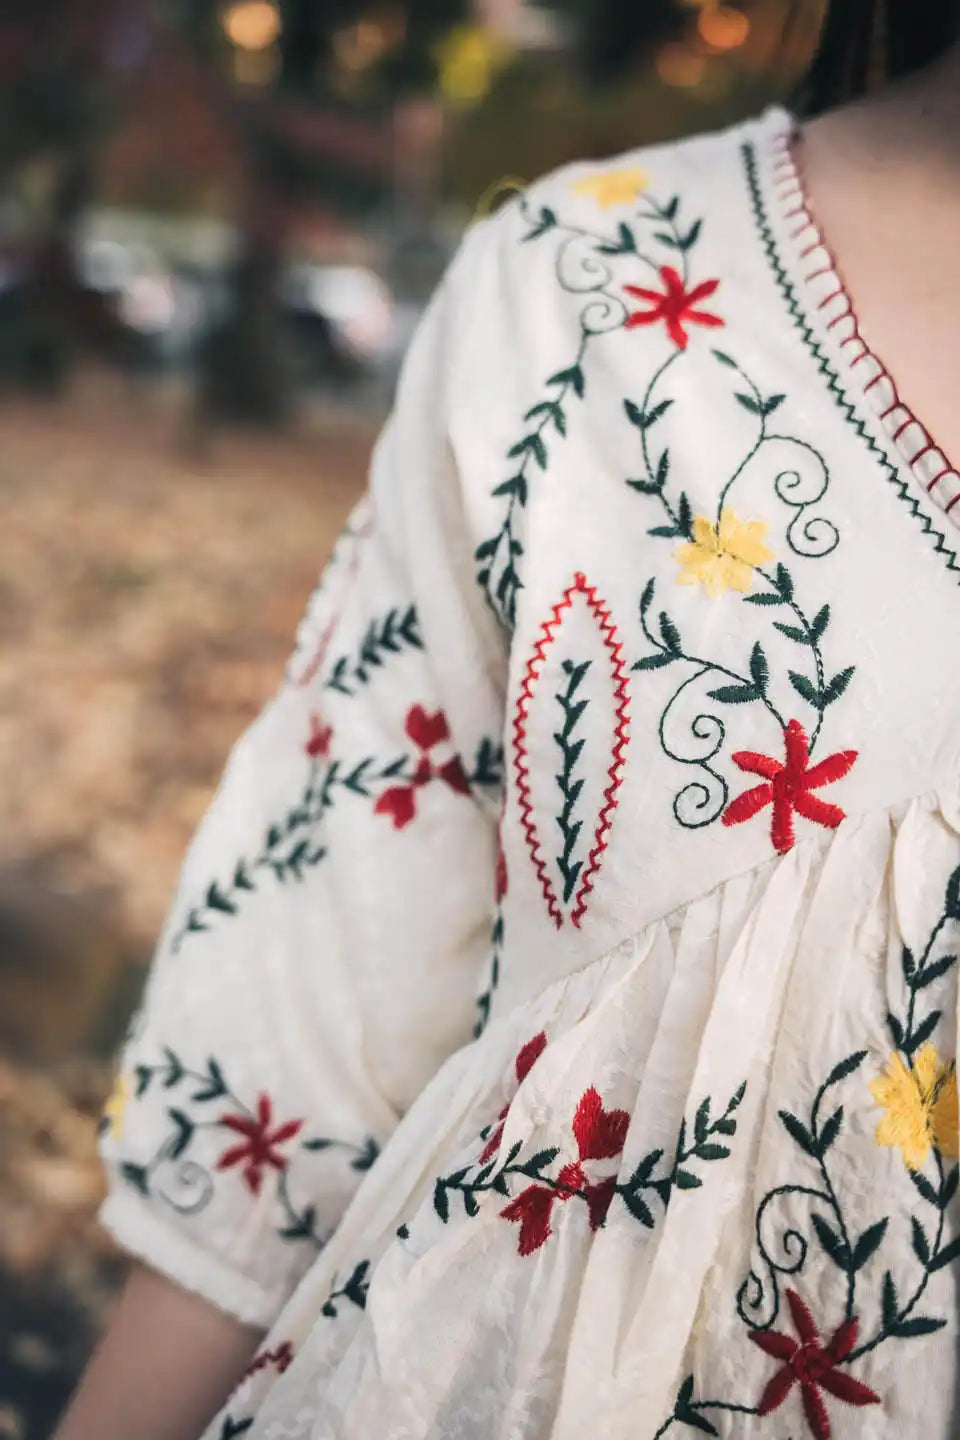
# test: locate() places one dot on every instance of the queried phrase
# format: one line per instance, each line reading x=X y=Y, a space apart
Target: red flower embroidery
x=534 y=1206
x=318 y=746
x=426 y=731
x=788 y=787
x=598 y=1200
x=282 y=1358
x=599 y=1135
x=676 y=306
x=522 y=1066
x=812 y=1366
x=259 y=1144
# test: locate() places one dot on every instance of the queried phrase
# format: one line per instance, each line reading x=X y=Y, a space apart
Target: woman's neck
x=911 y=128
x=883 y=178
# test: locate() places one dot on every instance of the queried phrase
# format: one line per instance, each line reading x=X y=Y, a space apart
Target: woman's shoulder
x=603 y=199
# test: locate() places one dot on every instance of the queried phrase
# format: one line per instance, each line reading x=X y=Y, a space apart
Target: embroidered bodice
x=555 y=1028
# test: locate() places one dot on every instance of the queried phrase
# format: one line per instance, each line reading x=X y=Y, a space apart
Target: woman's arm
x=166 y=1364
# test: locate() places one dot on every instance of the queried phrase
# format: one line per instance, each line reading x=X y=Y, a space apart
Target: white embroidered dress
x=657 y=582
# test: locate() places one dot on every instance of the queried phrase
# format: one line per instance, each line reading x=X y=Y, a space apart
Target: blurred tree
x=611 y=36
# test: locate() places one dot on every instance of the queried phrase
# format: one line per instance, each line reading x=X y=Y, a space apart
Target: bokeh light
x=252 y=24
x=722 y=27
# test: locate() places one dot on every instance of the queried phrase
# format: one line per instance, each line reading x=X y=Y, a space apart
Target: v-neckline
x=834 y=312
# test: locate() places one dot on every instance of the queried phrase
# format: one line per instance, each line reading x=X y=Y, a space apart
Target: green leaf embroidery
x=832 y=1243
x=830 y=1131
x=799 y=1133
x=792 y=633
x=867 y=1245
x=670 y=634
x=953 y=896
x=934 y=971
x=137 y=1175
x=759 y=669
x=184 y=1127
x=921 y=1245
x=846 y=1067
x=735 y=694
x=947 y=1255
x=837 y=685
x=806 y=690
x=763 y=597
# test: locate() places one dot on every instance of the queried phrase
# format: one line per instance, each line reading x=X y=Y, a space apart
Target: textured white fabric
x=624 y=727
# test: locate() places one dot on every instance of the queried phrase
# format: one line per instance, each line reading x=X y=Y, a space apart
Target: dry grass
x=147 y=603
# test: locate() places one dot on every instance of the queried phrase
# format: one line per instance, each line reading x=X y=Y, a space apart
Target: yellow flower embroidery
x=723 y=557
x=921 y=1106
x=612 y=187
x=115 y=1108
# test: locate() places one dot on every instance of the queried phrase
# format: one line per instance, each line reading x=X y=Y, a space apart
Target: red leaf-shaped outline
x=621 y=735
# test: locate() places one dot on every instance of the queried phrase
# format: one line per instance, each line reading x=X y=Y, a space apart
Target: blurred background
x=218 y=225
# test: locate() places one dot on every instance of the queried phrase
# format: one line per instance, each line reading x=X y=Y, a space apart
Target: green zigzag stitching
x=903 y=488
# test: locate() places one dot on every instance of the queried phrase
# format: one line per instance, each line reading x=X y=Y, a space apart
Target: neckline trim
x=833 y=311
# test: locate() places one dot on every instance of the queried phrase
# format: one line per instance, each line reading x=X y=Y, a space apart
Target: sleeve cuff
x=137 y=1230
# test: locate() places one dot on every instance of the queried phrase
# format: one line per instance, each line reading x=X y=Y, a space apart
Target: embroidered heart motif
x=599 y=1133
x=399 y=804
x=426 y=730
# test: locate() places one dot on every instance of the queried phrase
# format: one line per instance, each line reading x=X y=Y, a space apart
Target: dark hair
x=865 y=42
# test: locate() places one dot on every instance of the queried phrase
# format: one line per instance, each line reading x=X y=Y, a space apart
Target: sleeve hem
x=138 y=1231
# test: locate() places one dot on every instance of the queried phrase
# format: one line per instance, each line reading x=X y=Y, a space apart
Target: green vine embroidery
x=485 y=999
x=705 y=1146
x=583 y=268
x=569 y=787
x=383 y=637
x=189 y=1186
x=706 y=559
x=293 y=845
x=848 y=1253
x=353 y=1289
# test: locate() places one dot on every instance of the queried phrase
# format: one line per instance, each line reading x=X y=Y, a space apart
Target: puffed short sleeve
x=325 y=944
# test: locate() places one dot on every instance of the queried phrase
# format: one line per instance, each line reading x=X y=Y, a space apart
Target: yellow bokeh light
x=722 y=27
x=680 y=67
x=252 y=24
x=470 y=58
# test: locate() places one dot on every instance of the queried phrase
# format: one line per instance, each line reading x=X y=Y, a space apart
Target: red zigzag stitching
x=621 y=736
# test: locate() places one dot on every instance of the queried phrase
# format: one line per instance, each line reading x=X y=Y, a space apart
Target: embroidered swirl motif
x=918 y=1094
x=257 y=1144
x=902 y=487
x=584 y=268
x=577 y=874
x=731 y=554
